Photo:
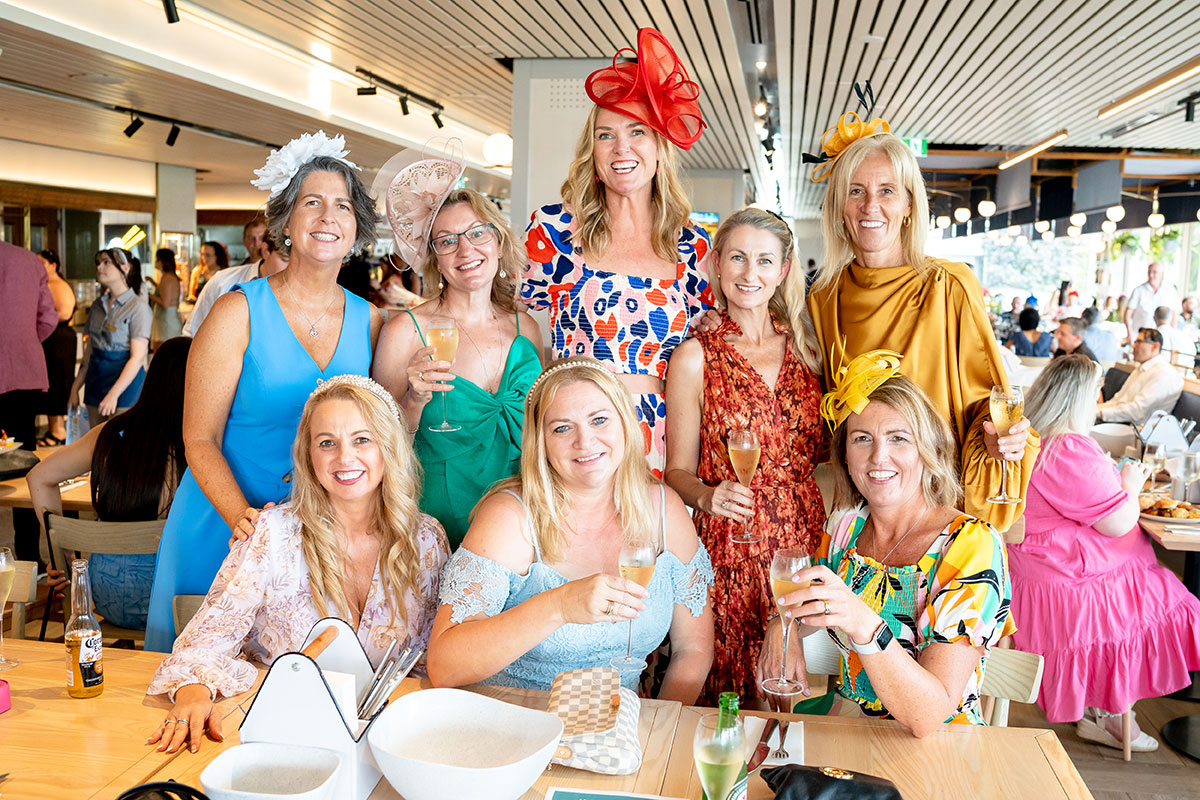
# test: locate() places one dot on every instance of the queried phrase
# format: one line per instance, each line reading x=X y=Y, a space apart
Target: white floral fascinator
x=283 y=164
x=417 y=183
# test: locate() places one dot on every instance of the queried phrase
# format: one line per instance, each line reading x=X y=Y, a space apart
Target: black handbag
x=798 y=782
x=163 y=790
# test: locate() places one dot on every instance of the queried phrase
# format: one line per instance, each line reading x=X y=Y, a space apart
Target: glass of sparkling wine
x=1008 y=406
x=744 y=452
x=443 y=337
x=1154 y=456
x=719 y=748
x=786 y=563
x=8 y=572
x=1189 y=471
x=637 y=564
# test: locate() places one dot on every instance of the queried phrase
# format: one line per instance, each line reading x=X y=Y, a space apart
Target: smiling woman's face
x=876 y=206
x=585 y=440
x=882 y=457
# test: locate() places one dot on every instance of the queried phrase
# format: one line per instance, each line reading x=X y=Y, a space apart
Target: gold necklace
x=312 y=325
x=875 y=538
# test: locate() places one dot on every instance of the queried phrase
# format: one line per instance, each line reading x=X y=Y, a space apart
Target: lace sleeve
x=472 y=584
x=691 y=581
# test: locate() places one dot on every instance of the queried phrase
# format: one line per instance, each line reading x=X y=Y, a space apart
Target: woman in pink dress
x=1088 y=594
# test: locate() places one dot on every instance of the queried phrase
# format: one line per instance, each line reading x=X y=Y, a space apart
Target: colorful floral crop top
x=632 y=323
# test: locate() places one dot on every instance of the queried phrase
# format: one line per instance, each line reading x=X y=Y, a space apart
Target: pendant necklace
x=312 y=324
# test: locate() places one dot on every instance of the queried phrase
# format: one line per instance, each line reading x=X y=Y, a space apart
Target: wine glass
x=637 y=564
x=719 y=748
x=443 y=337
x=1189 y=471
x=1008 y=406
x=786 y=563
x=744 y=452
x=1154 y=456
x=8 y=573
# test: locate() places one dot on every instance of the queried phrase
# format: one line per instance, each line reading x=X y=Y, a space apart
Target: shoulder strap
x=662 y=496
x=537 y=551
x=417 y=325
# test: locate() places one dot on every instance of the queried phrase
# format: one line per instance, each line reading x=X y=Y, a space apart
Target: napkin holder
x=296 y=706
x=1164 y=429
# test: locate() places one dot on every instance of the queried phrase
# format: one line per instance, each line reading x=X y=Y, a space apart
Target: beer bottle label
x=90 y=665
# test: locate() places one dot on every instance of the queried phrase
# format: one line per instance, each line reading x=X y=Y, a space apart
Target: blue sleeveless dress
x=277 y=377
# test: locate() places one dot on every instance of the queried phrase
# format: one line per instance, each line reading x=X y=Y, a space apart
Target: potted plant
x=1126 y=244
x=1164 y=241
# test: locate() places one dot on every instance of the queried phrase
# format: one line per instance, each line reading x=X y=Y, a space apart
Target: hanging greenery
x=1125 y=244
x=1164 y=241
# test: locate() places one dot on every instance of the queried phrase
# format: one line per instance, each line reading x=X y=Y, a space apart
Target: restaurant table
x=14 y=491
x=1182 y=733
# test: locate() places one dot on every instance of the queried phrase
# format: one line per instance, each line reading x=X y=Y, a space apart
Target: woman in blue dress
x=535 y=586
x=260 y=352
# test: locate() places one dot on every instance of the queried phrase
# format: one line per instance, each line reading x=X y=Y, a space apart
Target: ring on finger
x=181 y=721
x=826 y=602
x=609 y=610
x=725 y=504
x=421 y=375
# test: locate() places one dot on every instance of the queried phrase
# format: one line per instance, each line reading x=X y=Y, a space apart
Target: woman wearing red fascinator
x=617 y=262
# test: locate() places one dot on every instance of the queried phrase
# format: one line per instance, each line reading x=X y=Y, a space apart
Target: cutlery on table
x=781 y=705
x=763 y=749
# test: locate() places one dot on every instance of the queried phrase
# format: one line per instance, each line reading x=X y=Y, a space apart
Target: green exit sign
x=920 y=147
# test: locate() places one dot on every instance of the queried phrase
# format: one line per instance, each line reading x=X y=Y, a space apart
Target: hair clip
x=362 y=382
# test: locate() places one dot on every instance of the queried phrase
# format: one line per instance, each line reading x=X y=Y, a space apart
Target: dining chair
x=85 y=537
x=24 y=592
x=1010 y=675
x=185 y=607
x=821 y=656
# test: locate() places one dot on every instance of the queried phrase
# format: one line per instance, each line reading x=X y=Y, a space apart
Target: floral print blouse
x=260 y=606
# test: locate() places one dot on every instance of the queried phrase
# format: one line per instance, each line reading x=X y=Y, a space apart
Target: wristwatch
x=880 y=639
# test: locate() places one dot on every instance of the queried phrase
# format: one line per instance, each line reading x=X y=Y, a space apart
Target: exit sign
x=920 y=147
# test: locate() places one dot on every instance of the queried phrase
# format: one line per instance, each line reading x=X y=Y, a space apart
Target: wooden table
x=954 y=762
x=15 y=493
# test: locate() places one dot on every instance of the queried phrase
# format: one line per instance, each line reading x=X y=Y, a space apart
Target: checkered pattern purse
x=600 y=721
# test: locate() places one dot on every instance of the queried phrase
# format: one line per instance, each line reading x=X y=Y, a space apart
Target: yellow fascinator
x=849 y=129
x=854 y=382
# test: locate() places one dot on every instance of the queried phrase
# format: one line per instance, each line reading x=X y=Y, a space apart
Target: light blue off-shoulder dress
x=472 y=584
x=277 y=377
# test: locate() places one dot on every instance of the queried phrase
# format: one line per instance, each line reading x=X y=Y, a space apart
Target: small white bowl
x=1114 y=437
x=440 y=743
x=262 y=771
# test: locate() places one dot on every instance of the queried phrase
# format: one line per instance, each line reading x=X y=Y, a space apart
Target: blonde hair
x=512 y=262
x=838 y=250
x=940 y=483
x=1063 y=398
x=545 y=498
x=584 y=194
x=787 y=304
x=395 y=517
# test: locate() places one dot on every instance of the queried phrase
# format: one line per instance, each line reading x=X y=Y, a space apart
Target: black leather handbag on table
x=798 y=782
x=163 y=790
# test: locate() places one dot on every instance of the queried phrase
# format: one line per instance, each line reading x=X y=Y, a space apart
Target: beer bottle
x=85 y=672
x=727 y=715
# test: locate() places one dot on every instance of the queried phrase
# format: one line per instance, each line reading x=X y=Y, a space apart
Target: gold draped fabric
x=939 y=325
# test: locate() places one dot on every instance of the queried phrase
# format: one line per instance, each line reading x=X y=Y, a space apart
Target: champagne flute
x=1008 y=406
x=1189 y=471
x=719 y=748
x=637 y=562
x=443 y=337
x=786 y=563
x=1154 y=456
x=744 y=452
x=8 y=572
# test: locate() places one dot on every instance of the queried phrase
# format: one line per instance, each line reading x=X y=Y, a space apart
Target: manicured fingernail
x=195 y=748
x=807 y=693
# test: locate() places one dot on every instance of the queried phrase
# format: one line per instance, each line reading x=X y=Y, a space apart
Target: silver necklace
x=875 y=538
x=312 y=324
x=488 y=377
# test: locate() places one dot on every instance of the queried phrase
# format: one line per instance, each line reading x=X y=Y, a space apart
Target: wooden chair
x=1034 y=361
x=185 y=607
x=821 y=656
x=90 y=536
x=24 y=592
x=1009 y=675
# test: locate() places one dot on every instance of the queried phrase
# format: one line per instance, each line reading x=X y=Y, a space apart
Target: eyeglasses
x=479 y=234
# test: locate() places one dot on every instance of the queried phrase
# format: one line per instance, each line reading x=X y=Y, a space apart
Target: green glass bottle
x=727 y=711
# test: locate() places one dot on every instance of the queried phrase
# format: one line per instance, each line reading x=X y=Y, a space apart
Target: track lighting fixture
x=172 y=135
x=437 y=120
x=404 y=104
x=367 y=91
x=135 y=124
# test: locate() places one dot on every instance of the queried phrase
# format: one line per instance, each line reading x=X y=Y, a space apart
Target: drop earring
x=441 y=283
x=503 y=274
x=287 y=241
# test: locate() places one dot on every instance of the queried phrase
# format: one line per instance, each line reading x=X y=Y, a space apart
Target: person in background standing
x=213 y=259
x=165 y=299
x=1101 y=342
x=273 y=261
x=59 y=349
x=1118 y=313
x=1146 y=297
x=252 y=239
x=28 y=319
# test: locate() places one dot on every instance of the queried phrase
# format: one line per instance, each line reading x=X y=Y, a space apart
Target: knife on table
x=763 y=749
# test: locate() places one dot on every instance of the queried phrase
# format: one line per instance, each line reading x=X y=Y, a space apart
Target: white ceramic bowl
x=261 y=771
x=441 y=743
x=1114 y=437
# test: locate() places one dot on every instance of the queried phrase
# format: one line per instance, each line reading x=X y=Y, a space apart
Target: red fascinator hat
x=655 y=89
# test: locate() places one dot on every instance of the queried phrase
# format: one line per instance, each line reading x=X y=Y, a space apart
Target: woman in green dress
x=469 y=261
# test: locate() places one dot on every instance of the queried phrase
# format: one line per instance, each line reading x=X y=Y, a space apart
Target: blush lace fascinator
x=412 y=186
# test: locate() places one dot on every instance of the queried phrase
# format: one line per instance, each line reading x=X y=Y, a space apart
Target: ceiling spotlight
x=986 y=208
x=437 y=120
x=760 y=108
x=1048 y=236
x=135 y=124
x=172 y=135
x=962 y=214
x=943 y=222
x=1108 y=226
x=170 y=10
x=367 y=91
x=1156 y=220
x=760 y=65
x=1074 y=231
x=1115 y=213
x=1042 y=225
x=1078 y=219
x=404 y=104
